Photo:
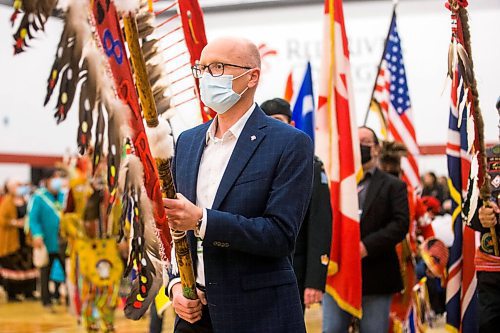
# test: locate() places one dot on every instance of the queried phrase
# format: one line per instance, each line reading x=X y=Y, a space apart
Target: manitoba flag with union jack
x=461 y=298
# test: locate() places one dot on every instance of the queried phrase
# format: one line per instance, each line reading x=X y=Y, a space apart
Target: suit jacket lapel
x=196 y=151
x=248 y=141
x=375 y=184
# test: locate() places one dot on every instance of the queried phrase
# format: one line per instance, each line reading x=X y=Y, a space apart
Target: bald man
x=244 y=182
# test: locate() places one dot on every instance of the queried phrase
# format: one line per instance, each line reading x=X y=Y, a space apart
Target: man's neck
x=369 y=165
x=228 y=119
x=52 y=192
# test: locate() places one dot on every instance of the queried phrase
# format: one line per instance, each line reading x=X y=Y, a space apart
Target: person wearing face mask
x=16 y=268
x=312 y=248
x=244 y=183
x=44 y=217
x=384 y=222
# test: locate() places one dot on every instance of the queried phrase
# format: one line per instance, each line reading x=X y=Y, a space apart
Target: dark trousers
x=204 y=325
x=45 y=277
x=301 y=293
x=488 y=285
x=155 y=322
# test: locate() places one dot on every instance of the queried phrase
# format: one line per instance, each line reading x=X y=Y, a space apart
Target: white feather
x=471 y=131
x=78 y=11
x=127 y=6
x=169 y=113
x=135 y=171
x=63 y=5
x=160 y=139
x=473 y=181
x=118 y=113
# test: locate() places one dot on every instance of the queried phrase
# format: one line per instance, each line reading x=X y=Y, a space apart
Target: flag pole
x=380 y=64
x=485 y=191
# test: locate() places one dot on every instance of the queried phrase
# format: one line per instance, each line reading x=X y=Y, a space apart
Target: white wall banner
x=288 y=36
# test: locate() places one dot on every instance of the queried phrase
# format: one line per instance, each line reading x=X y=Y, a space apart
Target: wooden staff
x=182 y=251
x=485 y=191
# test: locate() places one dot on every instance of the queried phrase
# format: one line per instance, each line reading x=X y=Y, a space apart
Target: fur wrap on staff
x=460 y=54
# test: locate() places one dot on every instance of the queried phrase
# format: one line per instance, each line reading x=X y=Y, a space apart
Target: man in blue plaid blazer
x=244 y=183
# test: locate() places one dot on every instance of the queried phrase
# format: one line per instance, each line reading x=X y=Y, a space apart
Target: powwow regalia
x=124 y=65
x=94 y=267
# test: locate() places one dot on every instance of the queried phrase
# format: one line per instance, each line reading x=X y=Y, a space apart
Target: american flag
x=461 y=299
x=392 y=100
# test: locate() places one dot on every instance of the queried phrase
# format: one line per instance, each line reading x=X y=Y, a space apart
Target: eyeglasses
x=215 y=69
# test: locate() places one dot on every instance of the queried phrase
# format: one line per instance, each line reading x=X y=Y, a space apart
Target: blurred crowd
x=58 y=246
x=30 y=217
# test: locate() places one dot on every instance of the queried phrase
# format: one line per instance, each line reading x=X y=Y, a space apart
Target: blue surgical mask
x=217 y=92
x=22 y=191
x=56 y=184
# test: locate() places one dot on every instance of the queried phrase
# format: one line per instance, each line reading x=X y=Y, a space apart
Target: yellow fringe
x=358 y=313
x=333 y=268
x=451 y=329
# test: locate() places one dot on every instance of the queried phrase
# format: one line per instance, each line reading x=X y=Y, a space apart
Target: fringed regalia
x=94 y=265
x=127 y=66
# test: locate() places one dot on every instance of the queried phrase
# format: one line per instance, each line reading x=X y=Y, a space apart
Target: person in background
x=16 y=268
x=312 y=248
x=487 y=263
x=384 y=218
x=440 y=221
x=488 y=271
x=443 y=183
x=390 y=162
x=2 y=194
x=44 y=218
x=434 y=255
x=431 y=187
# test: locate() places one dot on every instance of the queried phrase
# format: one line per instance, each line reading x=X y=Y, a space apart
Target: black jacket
x=384 y=223
x=486 y=242
x=312 y=248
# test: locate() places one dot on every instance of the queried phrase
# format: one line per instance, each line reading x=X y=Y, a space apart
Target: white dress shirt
x=213 y=164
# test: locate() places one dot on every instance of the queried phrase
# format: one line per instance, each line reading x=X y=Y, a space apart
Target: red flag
x=337 y=144
x=193 y=26
x=289 y=88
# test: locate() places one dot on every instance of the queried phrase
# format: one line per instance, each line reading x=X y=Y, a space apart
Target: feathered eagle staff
x=91 y=51
x=460 y=54
x=138 y=25
x=91 y=31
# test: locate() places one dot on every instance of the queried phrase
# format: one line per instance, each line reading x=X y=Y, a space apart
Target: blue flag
x=303 y=110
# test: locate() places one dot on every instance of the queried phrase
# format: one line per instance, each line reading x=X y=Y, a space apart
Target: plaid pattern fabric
x=252 y=226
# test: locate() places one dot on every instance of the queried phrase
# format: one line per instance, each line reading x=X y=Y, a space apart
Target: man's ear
x=292 y=123
x=254 y=78
x=376 y=150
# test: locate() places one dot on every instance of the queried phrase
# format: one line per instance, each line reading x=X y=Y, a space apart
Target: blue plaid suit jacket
x=252 y=225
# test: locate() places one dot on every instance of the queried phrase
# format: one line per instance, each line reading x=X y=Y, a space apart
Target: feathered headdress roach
x=392 y=152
